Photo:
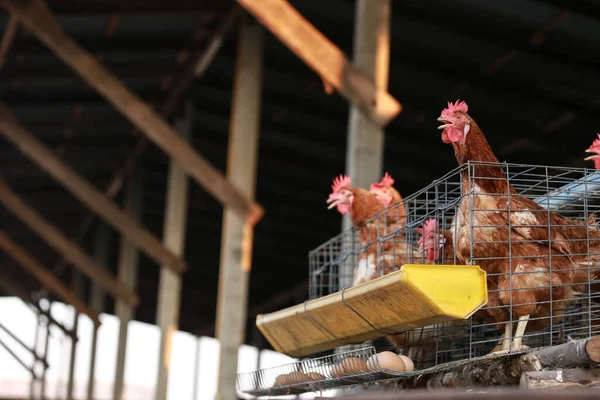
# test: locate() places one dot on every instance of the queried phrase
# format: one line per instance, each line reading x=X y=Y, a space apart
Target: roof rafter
x=44 y=276
x=325 y=58
x=85 y=192
x=36 y=15
x=55 y=238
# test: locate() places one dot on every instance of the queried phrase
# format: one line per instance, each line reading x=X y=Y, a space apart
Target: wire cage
x=533 y=230
x=327 y=372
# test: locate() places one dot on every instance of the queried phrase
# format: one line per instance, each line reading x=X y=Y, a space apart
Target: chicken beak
x=445 y=126
x=333 y=202
x=592 y=157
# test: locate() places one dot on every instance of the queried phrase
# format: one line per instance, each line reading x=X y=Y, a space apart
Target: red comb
x=340 y=182
x=387 y=180
x=430 y=226
x=595 y=143
x=457 y=106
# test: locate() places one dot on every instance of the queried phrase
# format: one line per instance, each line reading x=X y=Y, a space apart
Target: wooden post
x=101 y=249
x=237 y=236
x=169 y=290
x=364 y=151
x=84 y=191
x=128 y=267
x=36 y=15
x=63 y=245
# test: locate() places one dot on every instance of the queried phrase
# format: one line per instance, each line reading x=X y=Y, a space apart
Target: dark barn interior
x=528 y=69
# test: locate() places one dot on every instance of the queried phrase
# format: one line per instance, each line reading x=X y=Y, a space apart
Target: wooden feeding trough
x=413 y=297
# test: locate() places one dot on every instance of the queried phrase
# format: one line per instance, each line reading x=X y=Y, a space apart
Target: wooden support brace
x=325 y=58
x=45 y=277
x=85 y=192
x=7 y=38
x=63 y=245
x=13 y=288
x=36 y=15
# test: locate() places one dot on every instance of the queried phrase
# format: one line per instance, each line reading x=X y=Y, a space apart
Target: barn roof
x=528 y=70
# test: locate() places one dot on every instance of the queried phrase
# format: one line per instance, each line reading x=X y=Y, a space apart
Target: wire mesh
x=531 y=228
x=332 y=371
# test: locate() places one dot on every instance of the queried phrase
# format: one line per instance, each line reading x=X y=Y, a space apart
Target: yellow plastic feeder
x=413 y=297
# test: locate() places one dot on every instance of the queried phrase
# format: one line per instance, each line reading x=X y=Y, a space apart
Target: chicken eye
x=458 y=117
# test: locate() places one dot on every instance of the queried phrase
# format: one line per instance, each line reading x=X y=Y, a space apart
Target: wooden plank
x=325 y=58
x=85 y=192
x=63 y=245
x=169 y=289
x=7 y=38
x=237 y=236
x=37 y=17
x=45 y=277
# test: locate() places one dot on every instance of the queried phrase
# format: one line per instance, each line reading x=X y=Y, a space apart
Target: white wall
x=142 y=357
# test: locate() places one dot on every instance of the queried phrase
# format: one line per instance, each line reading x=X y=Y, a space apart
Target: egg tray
x=262 y=382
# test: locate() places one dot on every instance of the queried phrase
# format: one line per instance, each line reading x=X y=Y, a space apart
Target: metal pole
x=169 y=290
x=77 y=283
x=34 y=352
x=101 y=249
x=128 y=265
x=237 y=234
x=196 y=369
x=46 y=345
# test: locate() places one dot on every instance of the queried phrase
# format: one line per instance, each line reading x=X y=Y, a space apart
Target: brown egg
x=315 y=376
x=281 y=380
x=297 y=377
x=386 y=360
x=354 y=365
x=410 y=366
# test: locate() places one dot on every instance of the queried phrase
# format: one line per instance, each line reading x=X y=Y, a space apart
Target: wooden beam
x=7 y=38
x=199 y=62
x=63 y=245
x=237 y=238
x=168 y=107
x=325 y=58
x=85 y=192
x=169 y=289
x=45 y=277
x=36 y=15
